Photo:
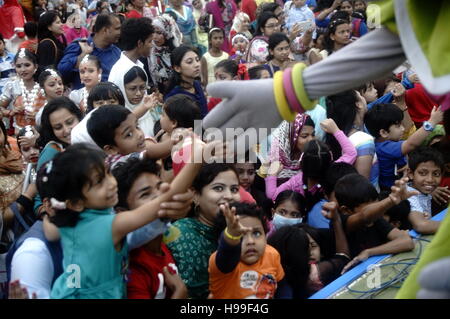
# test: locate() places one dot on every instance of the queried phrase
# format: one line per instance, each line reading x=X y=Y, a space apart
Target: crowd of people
x=98 y=104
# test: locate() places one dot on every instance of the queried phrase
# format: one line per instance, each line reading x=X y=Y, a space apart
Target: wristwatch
x=427 y=126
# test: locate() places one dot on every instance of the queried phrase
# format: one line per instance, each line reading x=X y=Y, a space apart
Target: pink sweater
x=295 y=183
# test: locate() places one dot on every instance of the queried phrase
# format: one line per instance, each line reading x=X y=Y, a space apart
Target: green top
x=93 y=269
x=191 y=244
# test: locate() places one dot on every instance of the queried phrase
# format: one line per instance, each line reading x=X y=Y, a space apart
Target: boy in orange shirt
x=244 y=266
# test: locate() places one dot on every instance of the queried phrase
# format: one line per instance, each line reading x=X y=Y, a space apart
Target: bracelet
x=297 y=80
x=280 y=99
x=290 y=93
x=228 y=235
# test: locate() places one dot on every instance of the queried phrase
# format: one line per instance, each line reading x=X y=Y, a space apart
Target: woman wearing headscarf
x=288 y=142
x=167 y=37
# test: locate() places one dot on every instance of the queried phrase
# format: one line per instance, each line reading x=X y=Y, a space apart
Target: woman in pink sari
x=223 y=12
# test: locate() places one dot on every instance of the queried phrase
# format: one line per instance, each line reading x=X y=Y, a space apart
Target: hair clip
x=57 y=204
x=85 y=59
x=22 y=54
x=48 y=167
x=215 y=29
x=52 y=72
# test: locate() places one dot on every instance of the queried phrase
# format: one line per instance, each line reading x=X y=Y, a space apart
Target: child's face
x=197 y=4
x=395 y=133
x=306 y=135
x=216 y=40
x=347 y=6
x=281 y=51
x=221 y=75
x=264 y=74
x=29 y=154
x=89 y=74
x=166 y=123
x=99 y=103
x=342 y=34
x=128 y=137
x=144 y=189
x=254 y=242
x=240 y=45
x=371 y=94
x=288 y=209
x=246 y=172
x=101 y=192
x=53 y=87
x=359 y=5
x=62 y=123
x=223 y=189
x=25 y=68
x=426 y=177
x=314 y=250
x=135 y=90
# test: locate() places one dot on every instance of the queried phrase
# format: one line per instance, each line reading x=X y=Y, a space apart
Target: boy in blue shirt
x=425 y=167
x=384 y=123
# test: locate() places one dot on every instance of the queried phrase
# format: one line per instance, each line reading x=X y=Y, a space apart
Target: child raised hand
x=234 y=230
x=329 y=126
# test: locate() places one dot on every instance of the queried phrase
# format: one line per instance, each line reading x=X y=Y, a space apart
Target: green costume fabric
x=191 y=243
x=437 y=249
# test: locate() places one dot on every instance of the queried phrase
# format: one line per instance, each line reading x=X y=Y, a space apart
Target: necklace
x=29 y=97
x=85 y=97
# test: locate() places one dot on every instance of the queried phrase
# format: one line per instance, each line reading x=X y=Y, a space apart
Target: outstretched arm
x=252 y=103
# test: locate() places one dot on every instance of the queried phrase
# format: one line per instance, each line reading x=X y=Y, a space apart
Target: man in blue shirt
x=101 y=44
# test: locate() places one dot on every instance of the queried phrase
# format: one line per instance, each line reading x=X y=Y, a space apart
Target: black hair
x=340 y=15
x=45 y=74
x=262 y=20
x=229 y=66
x=381 y=117
x=399 y=213
x=293 y=245
x=209 y=172
x=274 y=40
x=133 y=73
x=103 y=20
x=182 y=109
x=309 y=122
x=30 y=28
x=103 y=123
x=342 y=109
x=104 y=91
x=176 y=57
x=328 y=43
x=269 y=7
x=425 y=154
x=126 y=173
x=64 y=181
x=1 y=38
x=95 y=59
x=45 y=130
x=364 y=87
x=21 y=133
x=135 y=30
x=242 y=210
x=335 y=172
x=28 y=54
x=46 y=20
x=292 y=196
x=316 y=159
x=353 y=190
x=254 y=72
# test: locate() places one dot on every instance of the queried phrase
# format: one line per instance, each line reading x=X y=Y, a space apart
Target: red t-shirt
x=146 y=279
x=419 y=104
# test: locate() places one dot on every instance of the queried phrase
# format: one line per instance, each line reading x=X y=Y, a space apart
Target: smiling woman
x=50 y=49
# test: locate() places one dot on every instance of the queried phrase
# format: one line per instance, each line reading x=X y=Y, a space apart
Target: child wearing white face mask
x=288 y=209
